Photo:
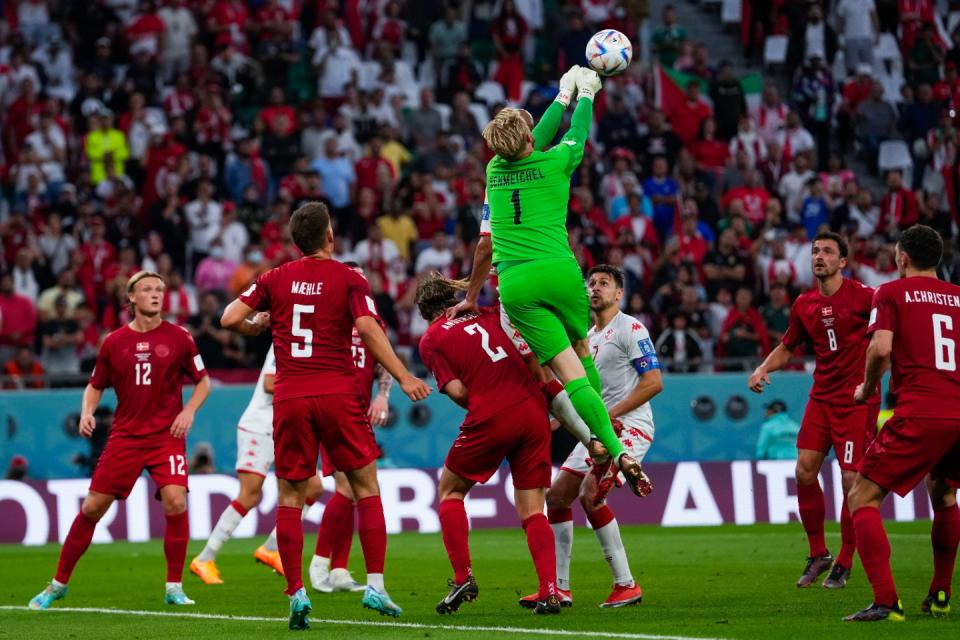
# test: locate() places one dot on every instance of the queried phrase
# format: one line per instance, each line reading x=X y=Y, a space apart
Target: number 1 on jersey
x=515 y=199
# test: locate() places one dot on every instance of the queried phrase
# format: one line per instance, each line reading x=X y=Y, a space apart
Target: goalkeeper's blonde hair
x=435 y=294
x=507 y=133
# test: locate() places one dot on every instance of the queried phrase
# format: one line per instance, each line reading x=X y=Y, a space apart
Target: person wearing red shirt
x=832 y=318
x=686 y=118
x=914 y=329
x=228 y=21
x=753 y=197
x=162 y=152
x=147 y=363
x=899 y=208
x=372 y=168
x=855 y=91
x=477 y=366
x=181 y=101
x=691 y=244
x=311 y=306
x=23 y=365
x=277 y=108
x=99 y=257
x=711 y=154
x=146 y=28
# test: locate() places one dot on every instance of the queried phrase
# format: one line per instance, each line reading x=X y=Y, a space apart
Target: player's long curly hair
x=435 y=294
x=507 y=133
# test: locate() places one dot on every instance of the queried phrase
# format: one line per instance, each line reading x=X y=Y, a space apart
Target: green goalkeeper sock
x=590 y=407
x=592 y=374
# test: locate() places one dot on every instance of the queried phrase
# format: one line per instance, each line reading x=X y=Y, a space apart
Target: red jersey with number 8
x=474 y=349
x=313 y=304
x=835 y=326
x=924 y=316
x=147 y=370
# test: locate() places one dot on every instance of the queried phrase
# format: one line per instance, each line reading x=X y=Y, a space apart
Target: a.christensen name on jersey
x=514 y=177
x=306 y=288
x=932 y=297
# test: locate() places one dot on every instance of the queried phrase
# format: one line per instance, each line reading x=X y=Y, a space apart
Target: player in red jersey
x=475 y=364
x=832 y=318
x=328 y=568
x=146 y=363
x=311 y=305
x=915 y=327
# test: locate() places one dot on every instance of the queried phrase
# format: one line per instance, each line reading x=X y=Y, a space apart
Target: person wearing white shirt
x=792 y=185
x=234 y=236
x=24 y=280
x=204 y=215
x=375 y=248
x=857 y=21
x=178 y=33
x=815 y=36
x=436 y=257
x=57 y=63
x=337 y=66
x=883 y=271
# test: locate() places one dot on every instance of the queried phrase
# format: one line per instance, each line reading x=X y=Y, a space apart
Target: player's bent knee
x=95 y=505
x=363 y=481
x=175 y=504
x=806 y=473
x=559 y=499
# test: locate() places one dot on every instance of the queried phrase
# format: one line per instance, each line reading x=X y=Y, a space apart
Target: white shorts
x=513 y=334
x=254 y=452
x=636 y=440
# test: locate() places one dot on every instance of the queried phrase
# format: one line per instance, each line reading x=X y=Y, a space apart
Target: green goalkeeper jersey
x=528 y=198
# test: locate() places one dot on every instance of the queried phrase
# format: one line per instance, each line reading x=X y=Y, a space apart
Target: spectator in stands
x=658 y=141
x=105 y=144
x=743 y=335
x=436 y=257
x=919 y=116
x=204 y=216
x=816 y=39
x=729 y=101
x=899 y=207
x=662 y=190
x=446 y=36
x=793 y=183
x=179 y=30
x=61 y=336
x=678 y=346
x=924 y=58
x=247 y=271
x=65 y=289
x=246 y=168
x=668 y=40
x=815 y=207
x=462 y=121
x=857 y=21
x=776 y=313
x=24 y=275
x=22 y=370
x=883 y=270
x=686 y=118
x=214 y=272
x=876 y=122
x=461 y=72
x=724 y=267
x=215 y=344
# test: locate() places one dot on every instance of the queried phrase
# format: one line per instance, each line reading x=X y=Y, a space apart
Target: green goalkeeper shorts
x=547 y=302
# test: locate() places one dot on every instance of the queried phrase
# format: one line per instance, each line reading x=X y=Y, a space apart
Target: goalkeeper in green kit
x=541 y=287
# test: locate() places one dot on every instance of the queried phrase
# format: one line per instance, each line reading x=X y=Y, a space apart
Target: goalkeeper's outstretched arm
x=546 y=129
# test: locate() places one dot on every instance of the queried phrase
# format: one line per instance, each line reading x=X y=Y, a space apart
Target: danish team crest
x=163 y=350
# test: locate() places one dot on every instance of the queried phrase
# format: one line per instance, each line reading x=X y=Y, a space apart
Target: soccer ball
x=609 y=52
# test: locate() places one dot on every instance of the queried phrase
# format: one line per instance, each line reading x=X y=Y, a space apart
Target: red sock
x=290 y=545
x=343 y=540
x=551 y=389
x=874 y=549
x=945 y=536
x=333 y=512
x=373 y=533
x=239 y=508
x=847 y=538
x=456 y=532
x=78 y=539
x=544 y=552
x=810 y=497
x=600 y=518
x=175 y=539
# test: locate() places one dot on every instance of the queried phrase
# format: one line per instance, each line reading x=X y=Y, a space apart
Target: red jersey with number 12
x=474 y=349
x=147 y=370
x=313 y=304
x=924 y=316
x=836 y=328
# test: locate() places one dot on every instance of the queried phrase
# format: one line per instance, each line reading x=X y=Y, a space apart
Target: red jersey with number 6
x=924 y=316
x=313 y=304
x=836 y=328
x=147 y=370
x=474 y=349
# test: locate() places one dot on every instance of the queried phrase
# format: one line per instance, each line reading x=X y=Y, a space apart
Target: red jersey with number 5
x=474 y=349
x=836 y=328
x=924 y=316
x=313 y=304
x=147 y=370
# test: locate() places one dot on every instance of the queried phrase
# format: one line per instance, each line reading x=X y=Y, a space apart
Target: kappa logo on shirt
x=636 y=326
x=143 y=346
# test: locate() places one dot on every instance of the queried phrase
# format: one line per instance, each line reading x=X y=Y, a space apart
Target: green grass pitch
x=724 y=582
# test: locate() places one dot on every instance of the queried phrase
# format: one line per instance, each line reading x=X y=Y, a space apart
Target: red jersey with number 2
x=313 y=304
x=474 y=349
x=147 y=370
x=836 y=328
x=924 y=316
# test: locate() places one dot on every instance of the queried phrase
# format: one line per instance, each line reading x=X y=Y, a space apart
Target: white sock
x=174 y=585
x=562 y=409
x=270 y=544
x=563 y=534
x=375 y=580
x=321 y=562
x=613 y=552
x=228 y=521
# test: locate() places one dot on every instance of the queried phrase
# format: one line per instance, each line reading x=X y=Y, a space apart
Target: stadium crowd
x=179 y=136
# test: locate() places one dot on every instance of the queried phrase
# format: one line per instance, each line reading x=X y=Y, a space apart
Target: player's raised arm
x=376 y=340
x=588 y=85
x=546 y=129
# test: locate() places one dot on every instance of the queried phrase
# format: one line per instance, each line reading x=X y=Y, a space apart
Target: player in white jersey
x=254 y=459
x=630 y=373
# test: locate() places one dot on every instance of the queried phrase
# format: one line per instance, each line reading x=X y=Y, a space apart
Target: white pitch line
x=367 y=623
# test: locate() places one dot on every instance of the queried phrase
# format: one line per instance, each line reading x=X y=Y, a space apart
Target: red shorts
x=847 y=429
x=907 y=449
x=122 y=462
x=520 y=433
x=335 y=421
x=327 y=468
